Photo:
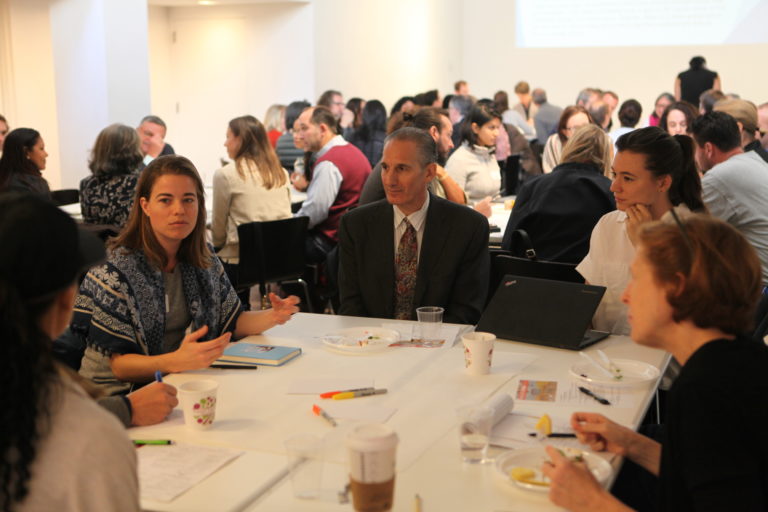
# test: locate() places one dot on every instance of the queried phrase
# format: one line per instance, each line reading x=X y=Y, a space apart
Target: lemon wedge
x=544 y=425
x=519 y=473
x=526 y=476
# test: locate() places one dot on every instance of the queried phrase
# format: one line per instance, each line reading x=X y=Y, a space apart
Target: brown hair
x=138 y=235
x=321 y=115
x=589 y=145
x=116 y=151
x=568 y=113
x=256 y=153
x=421 y=117
x=720 y=271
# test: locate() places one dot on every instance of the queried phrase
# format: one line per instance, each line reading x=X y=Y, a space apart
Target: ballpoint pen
x=599 y=398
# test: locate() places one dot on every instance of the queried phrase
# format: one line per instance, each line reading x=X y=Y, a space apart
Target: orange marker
x=327 y=417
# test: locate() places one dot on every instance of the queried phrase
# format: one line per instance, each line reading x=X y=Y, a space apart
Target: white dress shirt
x=324 y=186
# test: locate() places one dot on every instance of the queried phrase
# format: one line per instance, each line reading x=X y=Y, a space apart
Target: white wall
x=29 y=93
x=491 y=62
x=211 y=64
x=101 y=73
x=385 y=49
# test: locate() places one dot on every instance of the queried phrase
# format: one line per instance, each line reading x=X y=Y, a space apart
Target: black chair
x=272 y=251
x=65 y=196
x=503 y=264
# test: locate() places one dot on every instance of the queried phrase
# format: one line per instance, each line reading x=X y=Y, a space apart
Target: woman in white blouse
x=253 y=187
x=653 y=172
x=473 y=165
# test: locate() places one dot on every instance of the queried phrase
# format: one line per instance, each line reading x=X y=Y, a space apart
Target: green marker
x=161 y=442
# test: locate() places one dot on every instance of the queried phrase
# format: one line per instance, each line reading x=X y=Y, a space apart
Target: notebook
x=251 y=353
x=543 y=312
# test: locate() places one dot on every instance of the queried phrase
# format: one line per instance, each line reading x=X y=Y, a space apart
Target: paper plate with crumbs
x=626 y=373
x=361 y=340
x=522 y=468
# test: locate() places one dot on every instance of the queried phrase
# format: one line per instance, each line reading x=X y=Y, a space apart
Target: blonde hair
x=590 y=145
x=274 y=119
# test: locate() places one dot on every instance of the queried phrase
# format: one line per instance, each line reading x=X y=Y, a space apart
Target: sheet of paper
x=408 y=331
x=315 y=386
x=166 y=472
x=513 y=432
x=349 y=410
x=510 y=362
x=619 y=397
x=567 y=392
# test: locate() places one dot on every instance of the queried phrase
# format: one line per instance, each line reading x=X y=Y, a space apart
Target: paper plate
x=533 y=458
x=634 y=373
x=361 y=340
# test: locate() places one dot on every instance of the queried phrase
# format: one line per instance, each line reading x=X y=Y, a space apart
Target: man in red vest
x=338 y=176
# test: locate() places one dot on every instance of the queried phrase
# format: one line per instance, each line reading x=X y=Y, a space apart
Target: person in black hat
x=48 y=419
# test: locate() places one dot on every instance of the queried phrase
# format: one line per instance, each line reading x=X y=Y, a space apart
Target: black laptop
x=543 y=312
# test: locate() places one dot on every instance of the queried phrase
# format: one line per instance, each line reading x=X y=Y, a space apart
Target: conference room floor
x=256 y=413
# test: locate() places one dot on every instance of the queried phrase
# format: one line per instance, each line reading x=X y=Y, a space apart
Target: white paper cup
x=372 y=448
x=478 y=352
x=198 y=400
x=306 y=464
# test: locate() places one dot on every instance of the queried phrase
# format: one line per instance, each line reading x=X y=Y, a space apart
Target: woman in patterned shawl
x=162 y=301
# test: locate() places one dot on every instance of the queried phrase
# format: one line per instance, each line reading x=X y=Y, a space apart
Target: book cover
x=251 y=353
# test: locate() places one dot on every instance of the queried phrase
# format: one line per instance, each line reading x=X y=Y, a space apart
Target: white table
x=256 y=414
x=499 y=217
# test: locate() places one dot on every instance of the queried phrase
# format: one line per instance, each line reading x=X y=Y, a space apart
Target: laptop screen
x=541 y=311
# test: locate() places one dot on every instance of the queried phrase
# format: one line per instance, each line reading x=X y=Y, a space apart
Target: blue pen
x=158 y=376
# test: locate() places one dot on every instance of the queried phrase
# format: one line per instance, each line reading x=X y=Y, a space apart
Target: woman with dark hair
x=664 y=100
x=404 y=104
x=629 y=115
x=58 y=450
x=162 y=301
x=572 y=118
x=473 y=165
x=695 y=80
x=559 y=210
x=694 y=287
x=107 y=195
x=678 y=118
x=653 y=172
x=369 y=136
x=22 y=161
x=253 y=187
x=356 y=106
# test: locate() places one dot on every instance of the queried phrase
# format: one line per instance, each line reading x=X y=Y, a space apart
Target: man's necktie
x=405 y=273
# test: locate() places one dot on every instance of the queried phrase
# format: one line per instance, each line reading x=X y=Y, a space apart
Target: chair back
x=271 y=251
x=65 y=196
x=503 y=264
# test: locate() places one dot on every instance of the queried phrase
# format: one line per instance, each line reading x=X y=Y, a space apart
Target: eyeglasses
x=684 y=232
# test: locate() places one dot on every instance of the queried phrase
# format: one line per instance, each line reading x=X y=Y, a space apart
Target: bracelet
x=128 y=405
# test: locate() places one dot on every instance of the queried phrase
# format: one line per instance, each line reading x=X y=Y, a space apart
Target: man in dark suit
x=412 y=249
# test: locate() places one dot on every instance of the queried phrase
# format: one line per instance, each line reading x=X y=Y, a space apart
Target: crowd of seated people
x=404 y=208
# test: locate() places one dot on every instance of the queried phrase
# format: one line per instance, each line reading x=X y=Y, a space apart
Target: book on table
x=251 y=353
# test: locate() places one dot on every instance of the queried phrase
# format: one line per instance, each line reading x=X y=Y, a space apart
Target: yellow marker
x=544 y=425
x=355 y=394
